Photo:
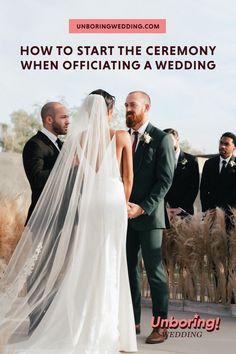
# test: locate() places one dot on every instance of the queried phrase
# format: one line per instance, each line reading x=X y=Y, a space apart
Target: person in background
x=218 y=185
x=185 y=185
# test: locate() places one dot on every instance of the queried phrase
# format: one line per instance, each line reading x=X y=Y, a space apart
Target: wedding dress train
x=71 y=262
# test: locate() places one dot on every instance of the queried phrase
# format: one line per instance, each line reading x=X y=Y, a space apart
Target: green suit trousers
x=150 y=243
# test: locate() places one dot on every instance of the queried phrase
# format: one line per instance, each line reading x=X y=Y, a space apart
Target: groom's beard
x=132 y=119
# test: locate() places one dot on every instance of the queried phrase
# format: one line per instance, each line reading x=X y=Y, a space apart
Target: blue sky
x=201 y=105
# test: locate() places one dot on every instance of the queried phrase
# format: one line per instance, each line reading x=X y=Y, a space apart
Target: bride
x=66 y=289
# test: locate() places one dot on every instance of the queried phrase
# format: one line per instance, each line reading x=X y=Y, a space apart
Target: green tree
x=186 y=147
x=118 y=119
x=3 y=135
x=25 y=125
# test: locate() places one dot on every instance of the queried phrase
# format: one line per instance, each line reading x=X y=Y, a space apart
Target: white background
x=199 y=104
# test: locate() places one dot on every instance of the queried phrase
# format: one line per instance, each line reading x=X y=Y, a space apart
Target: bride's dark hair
x=109 y=99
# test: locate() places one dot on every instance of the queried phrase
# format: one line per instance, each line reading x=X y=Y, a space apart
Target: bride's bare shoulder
x=122 y=136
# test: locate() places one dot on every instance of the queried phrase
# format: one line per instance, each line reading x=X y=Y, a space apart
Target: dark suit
x=153 y=172
x=184 y=188
x=39 y=157
x=218 y=189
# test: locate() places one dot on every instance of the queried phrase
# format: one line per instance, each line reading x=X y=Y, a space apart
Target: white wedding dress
x=73 y=253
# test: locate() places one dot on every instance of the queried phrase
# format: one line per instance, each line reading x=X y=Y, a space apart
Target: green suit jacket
x=154 y=164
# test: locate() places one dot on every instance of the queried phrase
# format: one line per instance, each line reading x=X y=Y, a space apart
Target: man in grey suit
x=153 y=162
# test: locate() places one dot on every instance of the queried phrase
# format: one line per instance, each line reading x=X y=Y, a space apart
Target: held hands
x=134 y=210
x=128 y=207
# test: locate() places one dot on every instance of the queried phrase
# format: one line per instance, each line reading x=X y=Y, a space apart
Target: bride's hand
x=134 y=211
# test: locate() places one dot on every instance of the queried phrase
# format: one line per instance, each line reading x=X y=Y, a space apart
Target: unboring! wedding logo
x=187 y=328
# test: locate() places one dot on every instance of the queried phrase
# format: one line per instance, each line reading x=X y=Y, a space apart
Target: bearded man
x=41 y=151
x=153 y=163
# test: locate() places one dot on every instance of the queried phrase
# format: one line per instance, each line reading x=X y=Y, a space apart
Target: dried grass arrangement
x=200 y=258
x=12 y=218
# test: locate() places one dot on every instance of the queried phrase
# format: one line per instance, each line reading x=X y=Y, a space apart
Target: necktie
x=135 y=141
x=59 y=143
x=223 y=166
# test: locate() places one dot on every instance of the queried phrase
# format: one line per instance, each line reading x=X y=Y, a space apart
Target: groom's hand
x=134 y=211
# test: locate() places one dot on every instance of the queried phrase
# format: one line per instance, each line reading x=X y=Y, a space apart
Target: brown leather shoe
x=158 y=335
x=138 y=329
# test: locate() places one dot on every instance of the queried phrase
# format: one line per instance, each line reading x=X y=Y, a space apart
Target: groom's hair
x=144 y=94
x=230 y=135
x=49 y=110
x=109 y=99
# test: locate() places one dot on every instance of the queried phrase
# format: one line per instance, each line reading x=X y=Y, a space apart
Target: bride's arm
x=127 y=164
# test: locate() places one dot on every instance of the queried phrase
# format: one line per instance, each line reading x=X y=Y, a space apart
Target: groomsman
x=218 y=183
x=185 y=185
x=41 y=151
x=218 y=186
x=153 y=162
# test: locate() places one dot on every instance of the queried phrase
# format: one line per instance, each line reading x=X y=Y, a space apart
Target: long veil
x=68 y=246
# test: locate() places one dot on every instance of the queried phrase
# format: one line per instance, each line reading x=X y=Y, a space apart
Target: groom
x=153 y=163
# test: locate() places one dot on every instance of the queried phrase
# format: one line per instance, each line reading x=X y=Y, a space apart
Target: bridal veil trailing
x=66 y=289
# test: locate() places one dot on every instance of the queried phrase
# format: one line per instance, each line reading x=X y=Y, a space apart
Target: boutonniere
x=146 y=138
x=232 y=163
x=184 y=162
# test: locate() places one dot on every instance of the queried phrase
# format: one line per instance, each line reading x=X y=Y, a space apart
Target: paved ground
x=182 y=341
x=222 y=341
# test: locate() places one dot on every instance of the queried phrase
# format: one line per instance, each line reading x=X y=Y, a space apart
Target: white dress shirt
x=140 y=131
x=177 y=153
x=50 y=136
x=221 y=164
